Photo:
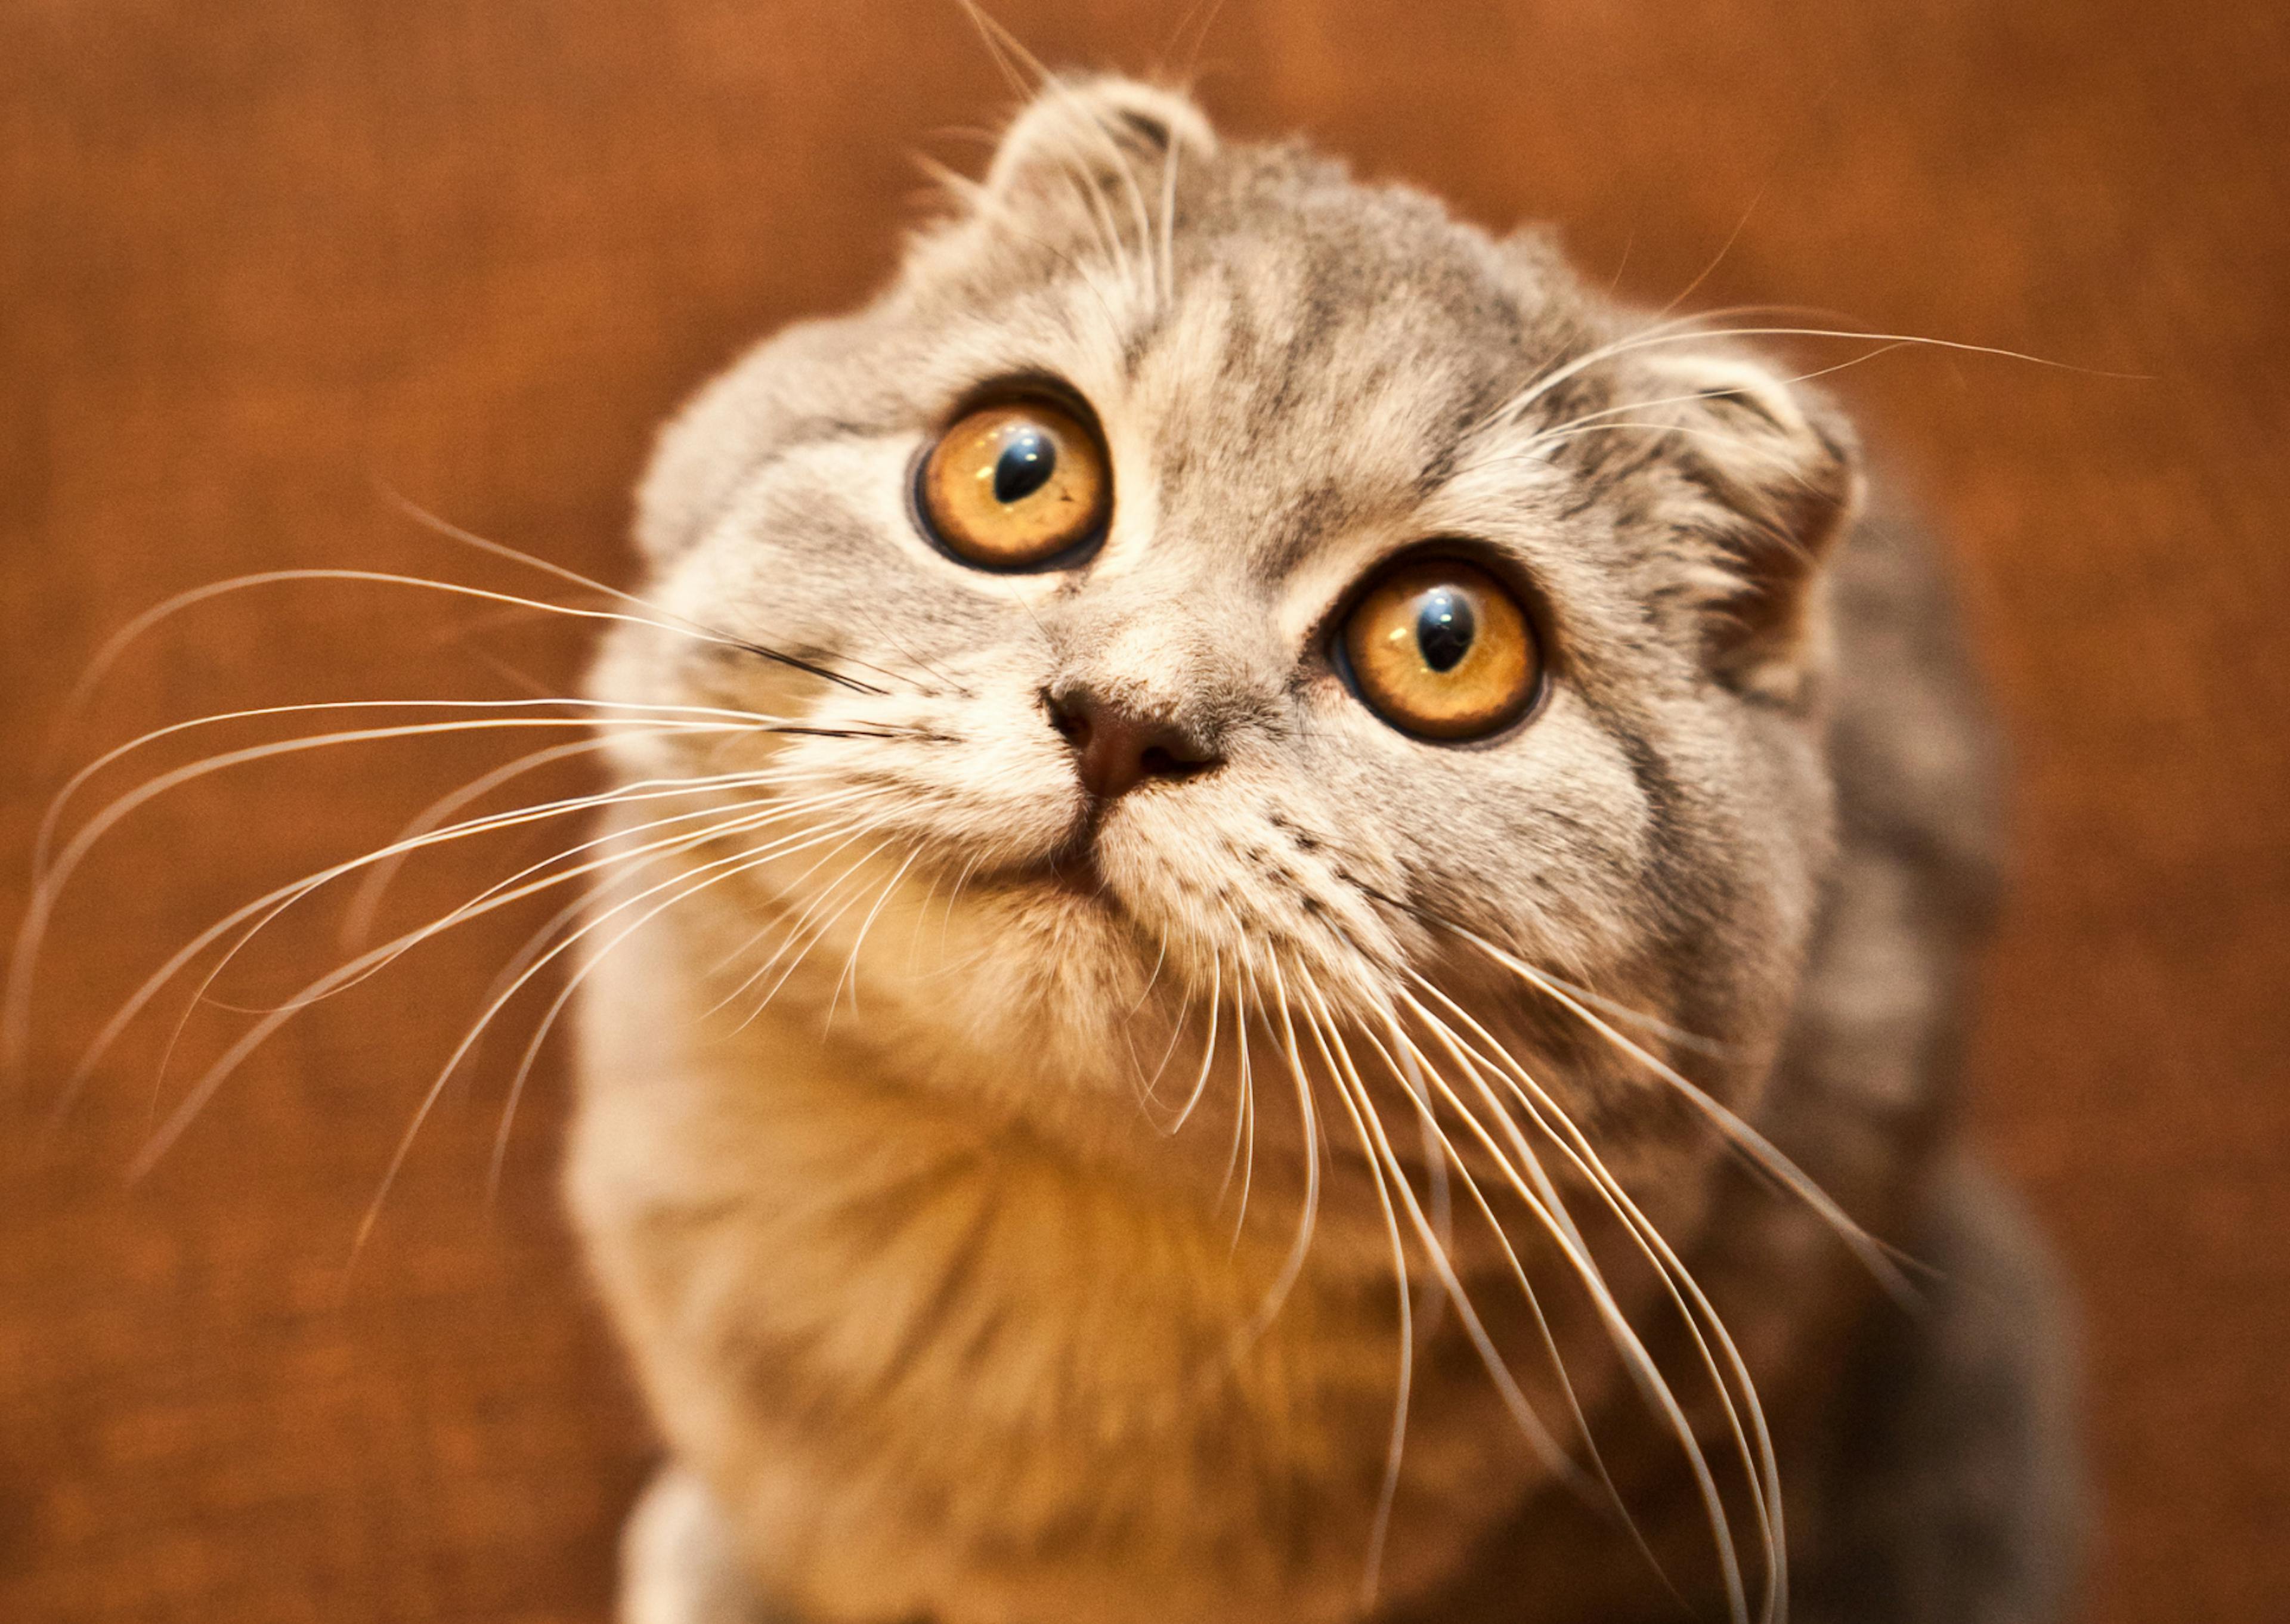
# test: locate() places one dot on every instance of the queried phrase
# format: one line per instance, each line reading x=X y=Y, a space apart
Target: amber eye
x=1015 y=484
x=1437 y=648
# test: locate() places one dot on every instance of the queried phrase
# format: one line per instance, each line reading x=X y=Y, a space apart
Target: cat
x=1334 y=917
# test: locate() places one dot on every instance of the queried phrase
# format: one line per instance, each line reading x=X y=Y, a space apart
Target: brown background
x=253 y=258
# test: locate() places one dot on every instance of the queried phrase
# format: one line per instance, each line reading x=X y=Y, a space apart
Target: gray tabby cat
x=1343 y=911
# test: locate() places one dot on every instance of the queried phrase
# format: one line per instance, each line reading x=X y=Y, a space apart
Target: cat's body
x=947 y=1307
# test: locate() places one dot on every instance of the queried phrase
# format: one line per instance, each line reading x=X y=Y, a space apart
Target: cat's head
x=1206 y=580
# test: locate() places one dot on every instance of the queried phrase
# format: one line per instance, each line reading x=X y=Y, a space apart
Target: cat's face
x=1300 y=421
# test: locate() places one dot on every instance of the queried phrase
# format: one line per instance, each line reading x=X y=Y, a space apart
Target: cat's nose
x=1117 y=747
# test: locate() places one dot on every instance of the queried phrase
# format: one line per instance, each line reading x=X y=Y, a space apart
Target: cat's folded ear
x=1081 y=136
x=1769 y=481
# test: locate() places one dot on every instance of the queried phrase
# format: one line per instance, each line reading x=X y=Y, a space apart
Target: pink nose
x=1117 y=750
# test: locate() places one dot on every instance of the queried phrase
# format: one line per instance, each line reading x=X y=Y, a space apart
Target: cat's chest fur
x=1056 y=1391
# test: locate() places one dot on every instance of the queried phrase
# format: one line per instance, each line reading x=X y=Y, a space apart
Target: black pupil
x=1027 y=462
x=1443 y=628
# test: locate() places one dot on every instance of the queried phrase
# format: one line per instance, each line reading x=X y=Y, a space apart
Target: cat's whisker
x=807 y=937
x=740 y=814
x=850 y=974
x=629 y=862
x=1694 y=1307
x=1387 y=1173
x=1429 y=1140
x=1436 y=1247
x=51 y=870
x=1409 y=1058
x=128 y=635
x=1208 y=1048
x=451 y=532
x=715 y=872
x=550 y=1017
x=1517 y=1161
x=1755 y=1148
x=1718 y=258
x=617 y=713
x=157 y=1145
x=1540 y=1200
x=1006 y=53
x=1292 y=1266
x=1242 y=1157
x=743 y=815
x=1692 y=331
x=50 y=880
x=276 y=901
x=1513 y=407
x=849 y=834
x=954 y=895
x=807 y=929
x=1199 y=18
x=364 y=906
x=1009 y=52
x=876 y=627
x=510 y=974
x=922 y=916
x=1761 y=1151
x=804 y=941
x=1653 y=1024
x=1437 y=1250
x=49 y=884
x=1567 y=428
x=1148 y=1096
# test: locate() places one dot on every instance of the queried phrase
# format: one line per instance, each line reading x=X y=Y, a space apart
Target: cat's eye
x=1016 y=485
x=1441 y=649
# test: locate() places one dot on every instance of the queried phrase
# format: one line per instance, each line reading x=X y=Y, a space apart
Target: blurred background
x=259 y=263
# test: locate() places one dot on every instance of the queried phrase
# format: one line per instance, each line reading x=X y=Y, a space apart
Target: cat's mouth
x=1071 y=870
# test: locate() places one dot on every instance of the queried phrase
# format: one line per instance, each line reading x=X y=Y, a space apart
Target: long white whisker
x=798 y=929
x=1520 y=1167
x=1243 y=1156
x=468 y=537
x=557 y=1007
x=849 y=975
x=1694 y=334
x=1436 y=1245
x=1292 y=1266
x=365 y=902
x=1208 y=1049
x=742 y=816
x=1148 y=1096
x=1694 y=1308
x=120 y=640
x=216 y=1075
x=284 y=895
x=1379 y=1158
x=717 y=871
x=1762 y=1151
x=806 y=939
x=31 y=934
x=667 y=717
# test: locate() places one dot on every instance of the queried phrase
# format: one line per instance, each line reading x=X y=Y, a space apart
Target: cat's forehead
x=1300 y=351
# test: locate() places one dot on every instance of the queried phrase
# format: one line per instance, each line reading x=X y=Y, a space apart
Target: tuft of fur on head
x=994 y=1247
